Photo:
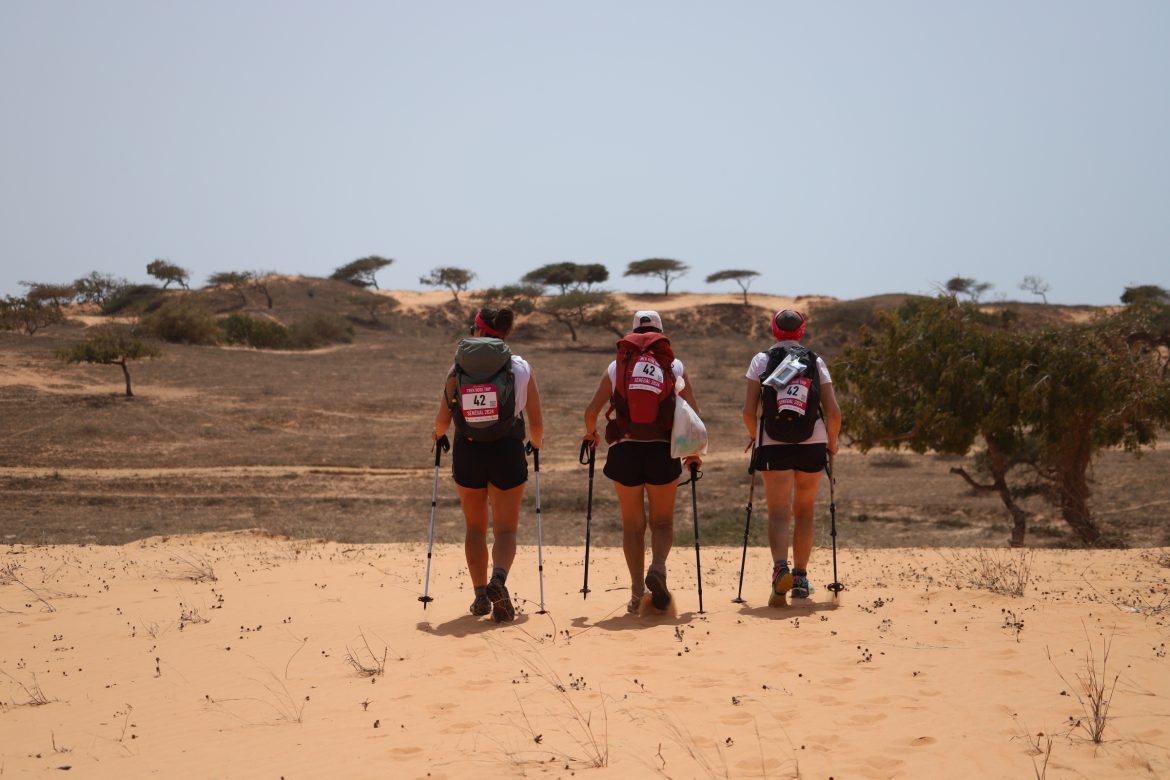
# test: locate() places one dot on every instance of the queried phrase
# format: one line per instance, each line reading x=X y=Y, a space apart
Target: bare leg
x=661 y=521
x=475 y=512
x=778 y=487
x=803 y=503
x=505 y=520
x=633 y=509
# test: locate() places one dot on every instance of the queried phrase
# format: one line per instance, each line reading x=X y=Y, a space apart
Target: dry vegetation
x=333 y=443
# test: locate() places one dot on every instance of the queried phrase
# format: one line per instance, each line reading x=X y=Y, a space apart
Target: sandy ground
x=244 y=655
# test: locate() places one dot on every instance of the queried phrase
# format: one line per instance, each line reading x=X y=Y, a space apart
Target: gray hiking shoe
x=659 y=595
x=800 y=586
x=502 y=608
x=481 y=606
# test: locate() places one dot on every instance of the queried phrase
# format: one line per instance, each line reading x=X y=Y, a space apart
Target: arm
x=832 y=416
x=443 y=418
x=751 y=408
x=535 y=416
x=600 y=398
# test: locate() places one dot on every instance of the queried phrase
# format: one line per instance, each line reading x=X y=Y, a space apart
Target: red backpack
x=642 y=405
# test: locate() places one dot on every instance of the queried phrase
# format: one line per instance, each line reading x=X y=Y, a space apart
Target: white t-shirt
x=676 y=368
x=756 y=370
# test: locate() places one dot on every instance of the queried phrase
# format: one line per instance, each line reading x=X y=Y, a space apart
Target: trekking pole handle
x=441 y=445
x=588 y=452
x=535 y=453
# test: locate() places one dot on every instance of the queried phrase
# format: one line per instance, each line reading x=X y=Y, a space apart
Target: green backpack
x=484 y=406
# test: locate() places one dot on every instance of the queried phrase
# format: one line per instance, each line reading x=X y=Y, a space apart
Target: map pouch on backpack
x=642 y=403
x=790 y=413
x=484 y=403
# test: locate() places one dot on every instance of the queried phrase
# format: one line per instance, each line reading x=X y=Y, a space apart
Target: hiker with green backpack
x=486 y=393
x=640 y=387
x=792 y=416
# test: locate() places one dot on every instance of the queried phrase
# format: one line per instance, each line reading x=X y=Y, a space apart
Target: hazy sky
x=844 y=148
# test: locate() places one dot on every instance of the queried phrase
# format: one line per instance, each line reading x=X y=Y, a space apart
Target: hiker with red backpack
x=792 y=416
x=486 y=393
x=640 y=387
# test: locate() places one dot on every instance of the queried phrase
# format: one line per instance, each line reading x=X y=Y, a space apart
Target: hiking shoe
x=659 y=595
x=502 y=609
x=481 y=606
x=634 y=605
x=781 y=580
x=801 y=587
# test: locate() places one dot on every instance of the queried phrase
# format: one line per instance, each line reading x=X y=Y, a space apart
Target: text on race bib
x=647 y=375
x=479 y=403
x=794 y=396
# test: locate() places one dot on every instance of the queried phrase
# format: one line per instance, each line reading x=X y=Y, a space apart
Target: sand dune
x=243 y=655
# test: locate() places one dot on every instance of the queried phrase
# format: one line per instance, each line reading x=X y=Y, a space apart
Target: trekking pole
x=835 y=586
x=746 y=526
x=539 y=543
x=695 y=476
x=442 y=444
x=589 y=447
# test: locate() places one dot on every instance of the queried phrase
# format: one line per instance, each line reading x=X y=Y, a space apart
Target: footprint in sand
x=922 y=741
x=738 y=719
x=405 y=753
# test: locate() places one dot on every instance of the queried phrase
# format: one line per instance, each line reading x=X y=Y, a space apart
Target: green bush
x=319 y=330
x=254 y=332
x=182 y=321
x=133 y=299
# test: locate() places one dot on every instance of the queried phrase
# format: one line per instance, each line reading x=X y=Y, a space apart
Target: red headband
x=487 y=329
x=789 y=335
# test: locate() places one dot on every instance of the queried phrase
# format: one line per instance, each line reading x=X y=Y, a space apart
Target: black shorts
x=637 y=463
x=502 y=463
x=792 y=457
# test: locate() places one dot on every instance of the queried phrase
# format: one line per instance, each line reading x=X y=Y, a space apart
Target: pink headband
x=487 y=329
x=789 y=335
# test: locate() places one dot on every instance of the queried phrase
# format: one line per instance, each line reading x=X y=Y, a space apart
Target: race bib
x=480 y=403
x=647 y=375
x=794 y=396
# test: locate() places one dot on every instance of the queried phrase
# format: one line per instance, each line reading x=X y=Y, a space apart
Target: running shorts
x=502 y=463
x=791 y=457
x=636 y=463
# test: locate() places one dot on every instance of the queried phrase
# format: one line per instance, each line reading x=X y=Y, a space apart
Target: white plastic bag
x=688 y=435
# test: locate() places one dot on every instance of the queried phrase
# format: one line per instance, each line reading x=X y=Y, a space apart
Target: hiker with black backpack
x=792 y=416
x=640 y=386
x=486 y=393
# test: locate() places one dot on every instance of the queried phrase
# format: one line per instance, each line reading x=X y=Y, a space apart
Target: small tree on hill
x=374 y=303
x=56 y=295
x=167 y=272
x=1145 y=293
x=520 y=298
x=569 y=277
x=454 y=279
x=110 y=347
x=98 y=288
x=580 y=309
x=963 y=285
x=665 y=269
x=234 y=280
x=361 y=272
x=742 y=278
x=1036 y=286
x=27 y=316
x=259 y=283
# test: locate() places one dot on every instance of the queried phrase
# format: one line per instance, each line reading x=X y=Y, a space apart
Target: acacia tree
x=581 y=309
x=521 y=298
x=937 y=374
x=1036 y=286
x=454 y=279
x=113 y=346
x=1145 y=294
x=56 y=295
x=235 y=280
x=965 y=285
x=374 y=303
x=361 y=272
x=259 y=282
x=665 y=269
x=740 y=277
x=569 y=277
x=98 y=288
x=167 y=272
x=27 y=315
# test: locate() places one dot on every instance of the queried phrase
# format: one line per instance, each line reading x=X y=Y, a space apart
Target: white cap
x=647 y=318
